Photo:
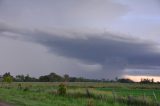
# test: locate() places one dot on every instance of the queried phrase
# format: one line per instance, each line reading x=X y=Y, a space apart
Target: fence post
x=144 y=97
x=155 y=97
x=114 y=95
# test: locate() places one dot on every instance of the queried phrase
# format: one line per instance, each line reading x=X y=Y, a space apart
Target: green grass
x=45 y=94
x=29 y=98
x=134 y=92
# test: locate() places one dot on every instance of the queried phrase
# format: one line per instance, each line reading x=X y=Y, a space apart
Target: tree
x=123 y=80
x=52 y=77
x=44 y=78
x=20 y=78
x=152 y=80
x=6 y=74
x=146 y=81
x=8 y=79
x=66 y=77
x=27 y=78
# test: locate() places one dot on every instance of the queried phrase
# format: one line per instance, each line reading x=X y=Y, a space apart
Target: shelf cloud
x=114 y=53
x=88 y=38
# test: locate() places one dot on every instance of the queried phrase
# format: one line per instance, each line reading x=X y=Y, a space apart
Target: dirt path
x=4 y=104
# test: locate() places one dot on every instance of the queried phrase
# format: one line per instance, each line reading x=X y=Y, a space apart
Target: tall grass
x=45 y=94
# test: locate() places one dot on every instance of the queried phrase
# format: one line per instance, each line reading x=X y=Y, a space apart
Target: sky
x=83 y=38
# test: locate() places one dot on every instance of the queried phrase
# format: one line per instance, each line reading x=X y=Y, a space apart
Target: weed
x=62 y=89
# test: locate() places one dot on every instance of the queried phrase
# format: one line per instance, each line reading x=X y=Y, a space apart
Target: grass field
x=100 y=94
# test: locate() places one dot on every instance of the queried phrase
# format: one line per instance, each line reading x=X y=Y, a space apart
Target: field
x=80 y=94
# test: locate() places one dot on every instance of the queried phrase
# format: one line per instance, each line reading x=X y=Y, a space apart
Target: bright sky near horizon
x=85 y=38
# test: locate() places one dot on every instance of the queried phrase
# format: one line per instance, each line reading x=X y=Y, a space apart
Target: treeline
x=142 y=81
x=53 y=77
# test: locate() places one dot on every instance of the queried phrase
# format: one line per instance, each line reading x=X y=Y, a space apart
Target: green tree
x=8 y=79
x=20 y=78
x=52 y=77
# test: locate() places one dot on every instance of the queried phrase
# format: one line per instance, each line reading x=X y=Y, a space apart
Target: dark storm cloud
x=115 y=53
x=145 y=72
x=101 y=48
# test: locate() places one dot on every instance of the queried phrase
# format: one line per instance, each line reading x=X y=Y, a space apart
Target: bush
x=90 y=102
x=26 y=89
x=8 y=79
x=19 y=86
x=62 y=89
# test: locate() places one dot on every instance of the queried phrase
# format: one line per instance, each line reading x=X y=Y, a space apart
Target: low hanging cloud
x=113 y=52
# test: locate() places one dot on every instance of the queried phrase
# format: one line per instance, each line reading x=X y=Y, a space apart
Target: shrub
x=26 y=89
x=90 y=102
x=62 y=89
x=8 y=79
x=19 y=86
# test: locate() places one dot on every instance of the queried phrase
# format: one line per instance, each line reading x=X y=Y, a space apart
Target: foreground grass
x=29 y=98
x=44 y=94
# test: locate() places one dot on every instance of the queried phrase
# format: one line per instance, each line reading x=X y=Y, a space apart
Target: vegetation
x=146 y=81
x=7 y=78
x=125 y=80
x=80 y=94
x=62 y=89
x=122 y=92
x=53 y=77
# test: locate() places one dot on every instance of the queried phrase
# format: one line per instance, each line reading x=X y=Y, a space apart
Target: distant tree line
x=146 y=81
x=53 y=77
x=125 y=80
